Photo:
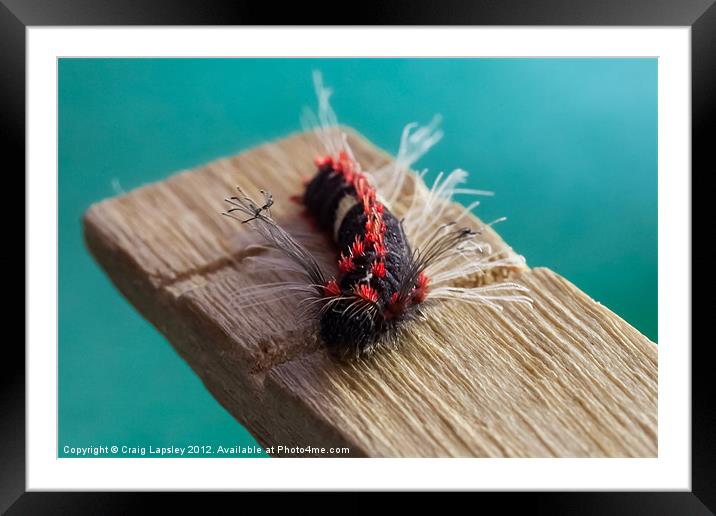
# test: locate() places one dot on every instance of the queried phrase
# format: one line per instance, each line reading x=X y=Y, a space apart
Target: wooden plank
x=565 y=378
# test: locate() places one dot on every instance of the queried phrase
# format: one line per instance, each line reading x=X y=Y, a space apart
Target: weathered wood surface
x=565 y=378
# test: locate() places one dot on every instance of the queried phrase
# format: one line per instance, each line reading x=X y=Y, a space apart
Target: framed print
x=448 y=252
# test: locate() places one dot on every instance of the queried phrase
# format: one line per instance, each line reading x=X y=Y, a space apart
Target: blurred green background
x=568 y=145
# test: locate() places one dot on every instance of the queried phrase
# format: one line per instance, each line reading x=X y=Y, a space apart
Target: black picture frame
x=17 y=15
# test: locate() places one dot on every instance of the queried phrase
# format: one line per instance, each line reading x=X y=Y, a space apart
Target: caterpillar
x=387 y=268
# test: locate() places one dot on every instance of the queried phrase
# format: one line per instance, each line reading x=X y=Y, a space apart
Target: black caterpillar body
x=370 y=295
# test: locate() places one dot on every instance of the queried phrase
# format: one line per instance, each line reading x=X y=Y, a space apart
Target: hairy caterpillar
x=387 y=268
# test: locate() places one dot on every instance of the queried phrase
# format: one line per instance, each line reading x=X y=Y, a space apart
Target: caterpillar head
x=355 y=319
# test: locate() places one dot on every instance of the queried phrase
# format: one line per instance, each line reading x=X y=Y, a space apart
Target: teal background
x=568 y=145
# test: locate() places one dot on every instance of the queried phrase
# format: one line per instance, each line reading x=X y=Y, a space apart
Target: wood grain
x=564 y=378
